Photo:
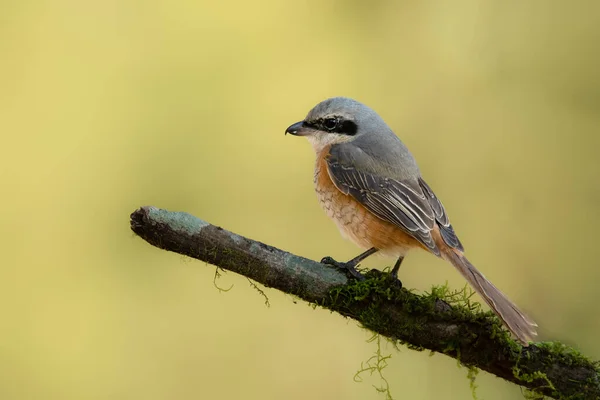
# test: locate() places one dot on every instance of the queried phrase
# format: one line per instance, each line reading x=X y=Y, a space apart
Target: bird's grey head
x=339 y=120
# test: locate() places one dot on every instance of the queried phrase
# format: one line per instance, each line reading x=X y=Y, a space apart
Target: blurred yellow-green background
x=109 y=105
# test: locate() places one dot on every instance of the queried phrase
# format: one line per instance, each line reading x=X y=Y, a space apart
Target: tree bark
x=435 y=321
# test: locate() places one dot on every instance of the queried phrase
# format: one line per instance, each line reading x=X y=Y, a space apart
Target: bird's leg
x=350 y=266
x=394 y=272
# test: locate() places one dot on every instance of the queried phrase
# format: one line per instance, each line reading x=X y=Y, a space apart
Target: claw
x=394 y=278
x=328 y=260
x=347 y=267
x=397 y=282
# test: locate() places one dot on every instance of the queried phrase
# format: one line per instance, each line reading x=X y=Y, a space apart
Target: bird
x=369 y=183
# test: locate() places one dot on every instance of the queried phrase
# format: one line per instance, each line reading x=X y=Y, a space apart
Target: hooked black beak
x=298 y=129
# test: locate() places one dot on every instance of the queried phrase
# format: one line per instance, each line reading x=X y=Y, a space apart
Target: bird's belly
x=356 y=223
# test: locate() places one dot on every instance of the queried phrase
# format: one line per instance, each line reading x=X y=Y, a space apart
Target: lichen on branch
x=441 y=321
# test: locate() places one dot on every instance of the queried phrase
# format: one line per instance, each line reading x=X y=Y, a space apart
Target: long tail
x=516 y=321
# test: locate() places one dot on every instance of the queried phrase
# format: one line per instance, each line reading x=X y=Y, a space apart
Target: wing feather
x=396 y=202
x=412 y=206
x=441 y=217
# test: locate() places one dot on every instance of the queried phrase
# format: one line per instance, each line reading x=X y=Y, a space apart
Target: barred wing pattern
x=412 y=207
x=441 y=217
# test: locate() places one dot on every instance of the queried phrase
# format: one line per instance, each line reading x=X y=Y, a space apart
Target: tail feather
x=515 y=320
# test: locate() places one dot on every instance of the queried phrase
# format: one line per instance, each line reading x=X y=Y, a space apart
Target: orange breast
x=354 y=221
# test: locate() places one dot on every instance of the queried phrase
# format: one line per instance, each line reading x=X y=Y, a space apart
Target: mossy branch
x=431 y=321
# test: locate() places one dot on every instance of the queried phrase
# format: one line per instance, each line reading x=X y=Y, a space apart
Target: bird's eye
x=330 y=123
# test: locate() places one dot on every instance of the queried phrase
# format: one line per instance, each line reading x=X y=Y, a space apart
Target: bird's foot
x=394 y=272
x=348 y=267
x=395 y=281
x=393 y=276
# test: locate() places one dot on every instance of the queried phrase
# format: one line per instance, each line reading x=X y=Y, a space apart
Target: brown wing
x=411 y=206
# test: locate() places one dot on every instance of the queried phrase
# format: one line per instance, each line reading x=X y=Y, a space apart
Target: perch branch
x=473 y=337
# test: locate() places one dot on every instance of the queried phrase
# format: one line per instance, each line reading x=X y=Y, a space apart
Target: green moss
x=552 y=354
x=558 y=352
x=472 y=376
x=232 y=258
x=531 y=395
x=380 y=305
x=217 y=276
x=375 y=365
x=532 y=377
x=363 y=300
x=260 y=291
